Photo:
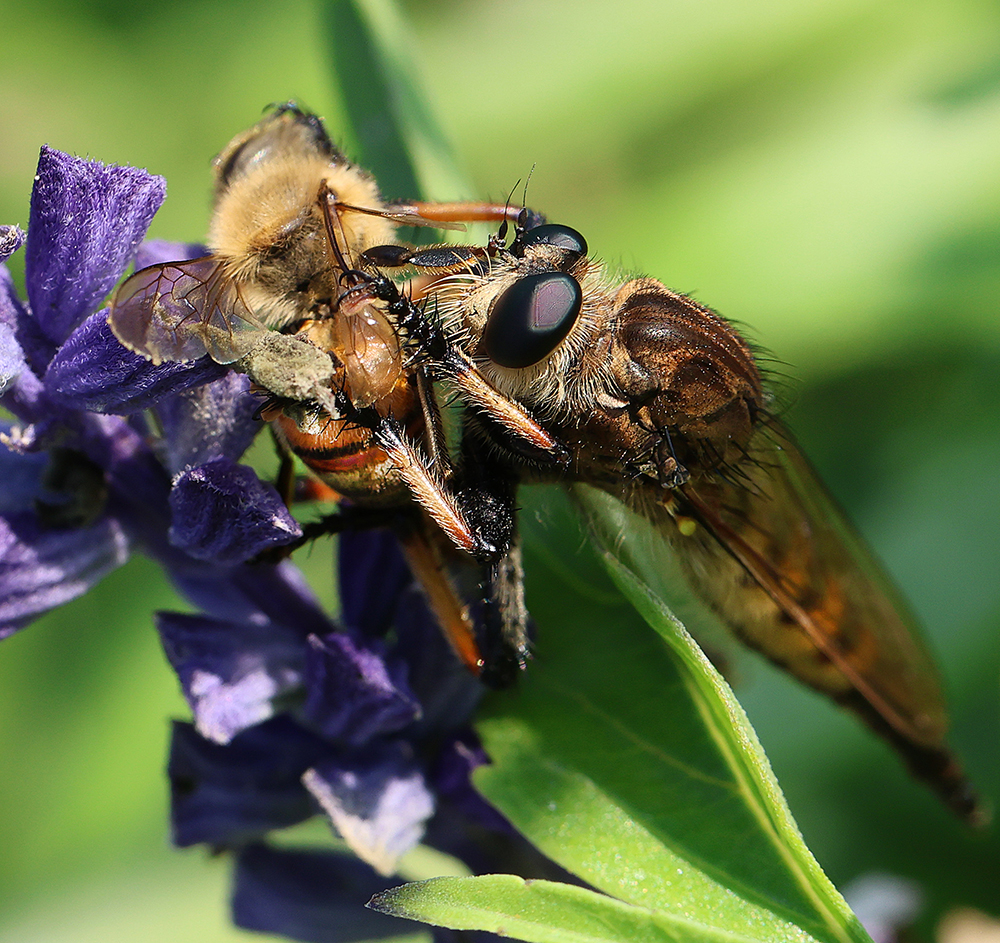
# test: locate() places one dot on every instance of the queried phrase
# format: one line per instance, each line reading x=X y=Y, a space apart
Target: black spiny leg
x=506 y=646
x=349 y=517
x=487 y=495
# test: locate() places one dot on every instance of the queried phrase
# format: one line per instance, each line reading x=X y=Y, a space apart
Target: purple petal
x=11 y=357
x=86 y=222
x=26 y=398
x=377 y=591
x=22 y=476
x=447 y=692
x=224 y=513
x=113 y=442
x=373 y=575
x=158 y=251
x=94 y=371
x=452 y=782
x=41 y=567
x=256 y=595
x=351 y=695
x=25 y=392
x=211 y=421
x=378 y=802
x=316 y=896
x=11 y=239
x=227 y=795
x=231 y=672
x=252 y=594
x=12 y=312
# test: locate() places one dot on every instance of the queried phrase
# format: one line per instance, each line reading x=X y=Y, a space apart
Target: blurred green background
x=826 y=172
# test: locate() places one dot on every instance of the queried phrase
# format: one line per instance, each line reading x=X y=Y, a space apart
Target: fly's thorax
x=685 y=368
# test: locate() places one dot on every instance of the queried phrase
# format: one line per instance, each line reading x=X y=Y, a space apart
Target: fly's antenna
x=499 y=241
x=524 y=193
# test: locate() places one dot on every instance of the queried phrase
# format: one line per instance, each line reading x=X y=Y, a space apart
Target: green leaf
x=400 y=141
x=540 y=912
x=626 y=759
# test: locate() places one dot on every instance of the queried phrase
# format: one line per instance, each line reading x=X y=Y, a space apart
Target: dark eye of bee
x=551 y=234
x=530 y=319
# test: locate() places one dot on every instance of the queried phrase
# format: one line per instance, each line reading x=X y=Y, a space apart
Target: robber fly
x=660 y=402
x=284 y=296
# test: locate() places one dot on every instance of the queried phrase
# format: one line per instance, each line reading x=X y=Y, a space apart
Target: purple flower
x=296 y=714
x=91 y=487
x=60 y=530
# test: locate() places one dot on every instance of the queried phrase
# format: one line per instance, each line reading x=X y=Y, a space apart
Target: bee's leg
x=285 y=480
x=293 y=488
x=352 y=517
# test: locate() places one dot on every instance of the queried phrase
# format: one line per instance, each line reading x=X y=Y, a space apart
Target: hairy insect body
x=565 y=373
x=645 y=382
x=342 y=453
x=659 y=402
x=269 y=234
x=269 y=226
x=287 y=296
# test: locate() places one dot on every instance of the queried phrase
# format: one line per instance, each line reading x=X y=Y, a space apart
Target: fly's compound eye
x=551 y=234
x=530 y=319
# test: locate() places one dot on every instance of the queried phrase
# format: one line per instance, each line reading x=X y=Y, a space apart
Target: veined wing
x=181 y=311
x=776 y=557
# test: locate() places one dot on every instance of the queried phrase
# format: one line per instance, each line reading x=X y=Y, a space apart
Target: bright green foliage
x=628 y=762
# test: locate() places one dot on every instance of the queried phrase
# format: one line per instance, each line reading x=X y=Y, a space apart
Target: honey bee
x=286 y=297
x=660 y=402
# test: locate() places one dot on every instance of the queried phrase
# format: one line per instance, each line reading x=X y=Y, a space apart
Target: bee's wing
x=181 y=311
x=830 y=614
x=370 y=351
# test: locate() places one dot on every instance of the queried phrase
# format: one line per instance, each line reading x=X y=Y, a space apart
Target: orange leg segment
x=452 y=615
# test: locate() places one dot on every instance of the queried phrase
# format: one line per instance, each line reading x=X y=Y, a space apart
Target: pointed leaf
x=629 y=762
x=542 y=912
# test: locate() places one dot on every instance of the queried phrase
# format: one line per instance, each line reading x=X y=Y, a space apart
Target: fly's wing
x=181 y=311
x=777 y=559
